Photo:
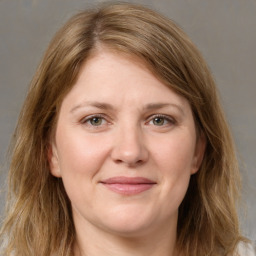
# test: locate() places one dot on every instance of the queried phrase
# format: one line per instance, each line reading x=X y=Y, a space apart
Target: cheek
x=176 y=154
x=80 y=154
x=80 y=159
x=175 y=161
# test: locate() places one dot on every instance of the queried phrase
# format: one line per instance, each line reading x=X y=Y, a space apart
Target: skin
x=141 y=128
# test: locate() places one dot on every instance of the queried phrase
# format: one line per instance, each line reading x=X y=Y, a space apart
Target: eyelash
x=166 y=118
x=90 y=118
x=170 y=120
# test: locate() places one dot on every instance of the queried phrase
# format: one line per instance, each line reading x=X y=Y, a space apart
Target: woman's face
x=125 y=147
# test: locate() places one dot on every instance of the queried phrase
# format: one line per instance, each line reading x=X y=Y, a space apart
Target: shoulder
x=246 y=249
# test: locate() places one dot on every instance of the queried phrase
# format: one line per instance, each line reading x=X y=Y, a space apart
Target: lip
x=128 y=185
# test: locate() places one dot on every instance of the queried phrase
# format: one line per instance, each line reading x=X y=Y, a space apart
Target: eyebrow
x=154 y=106
x=96 y=104
x=107 y=106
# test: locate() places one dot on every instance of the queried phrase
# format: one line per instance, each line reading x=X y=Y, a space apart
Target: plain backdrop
x=224 y=31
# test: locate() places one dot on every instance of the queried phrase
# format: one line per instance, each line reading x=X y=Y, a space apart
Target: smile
x=127 y=185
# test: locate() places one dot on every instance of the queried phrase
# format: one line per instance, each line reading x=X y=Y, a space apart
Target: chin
x=129 y=222
x=127 y=229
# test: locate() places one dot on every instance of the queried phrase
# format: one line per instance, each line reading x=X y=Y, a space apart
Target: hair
x=39 y=217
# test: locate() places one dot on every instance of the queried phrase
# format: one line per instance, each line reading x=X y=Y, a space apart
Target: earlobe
x=53 y=160
x=199 y=153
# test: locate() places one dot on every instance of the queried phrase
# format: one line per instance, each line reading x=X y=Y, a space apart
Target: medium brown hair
x=39 y=218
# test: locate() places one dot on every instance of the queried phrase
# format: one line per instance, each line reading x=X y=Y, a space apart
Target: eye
x=158 y=121
x=95 y=120
x=161 y=120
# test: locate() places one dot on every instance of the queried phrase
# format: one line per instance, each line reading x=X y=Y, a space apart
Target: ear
x=199 y=153
x=53 y=160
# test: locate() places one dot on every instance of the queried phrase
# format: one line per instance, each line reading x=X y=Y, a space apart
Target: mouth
x=128 y=185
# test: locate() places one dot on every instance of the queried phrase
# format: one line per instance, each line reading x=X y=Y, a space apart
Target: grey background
x=224 y=31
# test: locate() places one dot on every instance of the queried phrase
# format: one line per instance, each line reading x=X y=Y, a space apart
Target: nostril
x=129 y=149
x=118 y=161
x=129 y=163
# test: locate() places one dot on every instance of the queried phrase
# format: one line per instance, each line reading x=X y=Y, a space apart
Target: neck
x=92 y=242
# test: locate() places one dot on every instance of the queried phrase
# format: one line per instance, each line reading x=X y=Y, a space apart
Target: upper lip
x=128 y=180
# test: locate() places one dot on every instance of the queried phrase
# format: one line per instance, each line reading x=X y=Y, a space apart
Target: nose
x=129 y=147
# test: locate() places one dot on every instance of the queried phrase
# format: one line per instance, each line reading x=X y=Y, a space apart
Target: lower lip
x=128 y=189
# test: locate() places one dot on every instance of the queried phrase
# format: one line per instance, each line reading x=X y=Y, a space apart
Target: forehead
x=107 y=75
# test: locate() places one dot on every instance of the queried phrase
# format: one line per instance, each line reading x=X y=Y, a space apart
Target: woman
x=122 y=147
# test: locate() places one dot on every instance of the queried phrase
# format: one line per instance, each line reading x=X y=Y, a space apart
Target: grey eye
x=158 y=121
x=95 y=121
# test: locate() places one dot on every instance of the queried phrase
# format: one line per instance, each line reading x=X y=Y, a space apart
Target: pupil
x=96 y=121
x=158 y=121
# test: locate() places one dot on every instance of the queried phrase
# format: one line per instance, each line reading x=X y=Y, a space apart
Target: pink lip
x=128 y=185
